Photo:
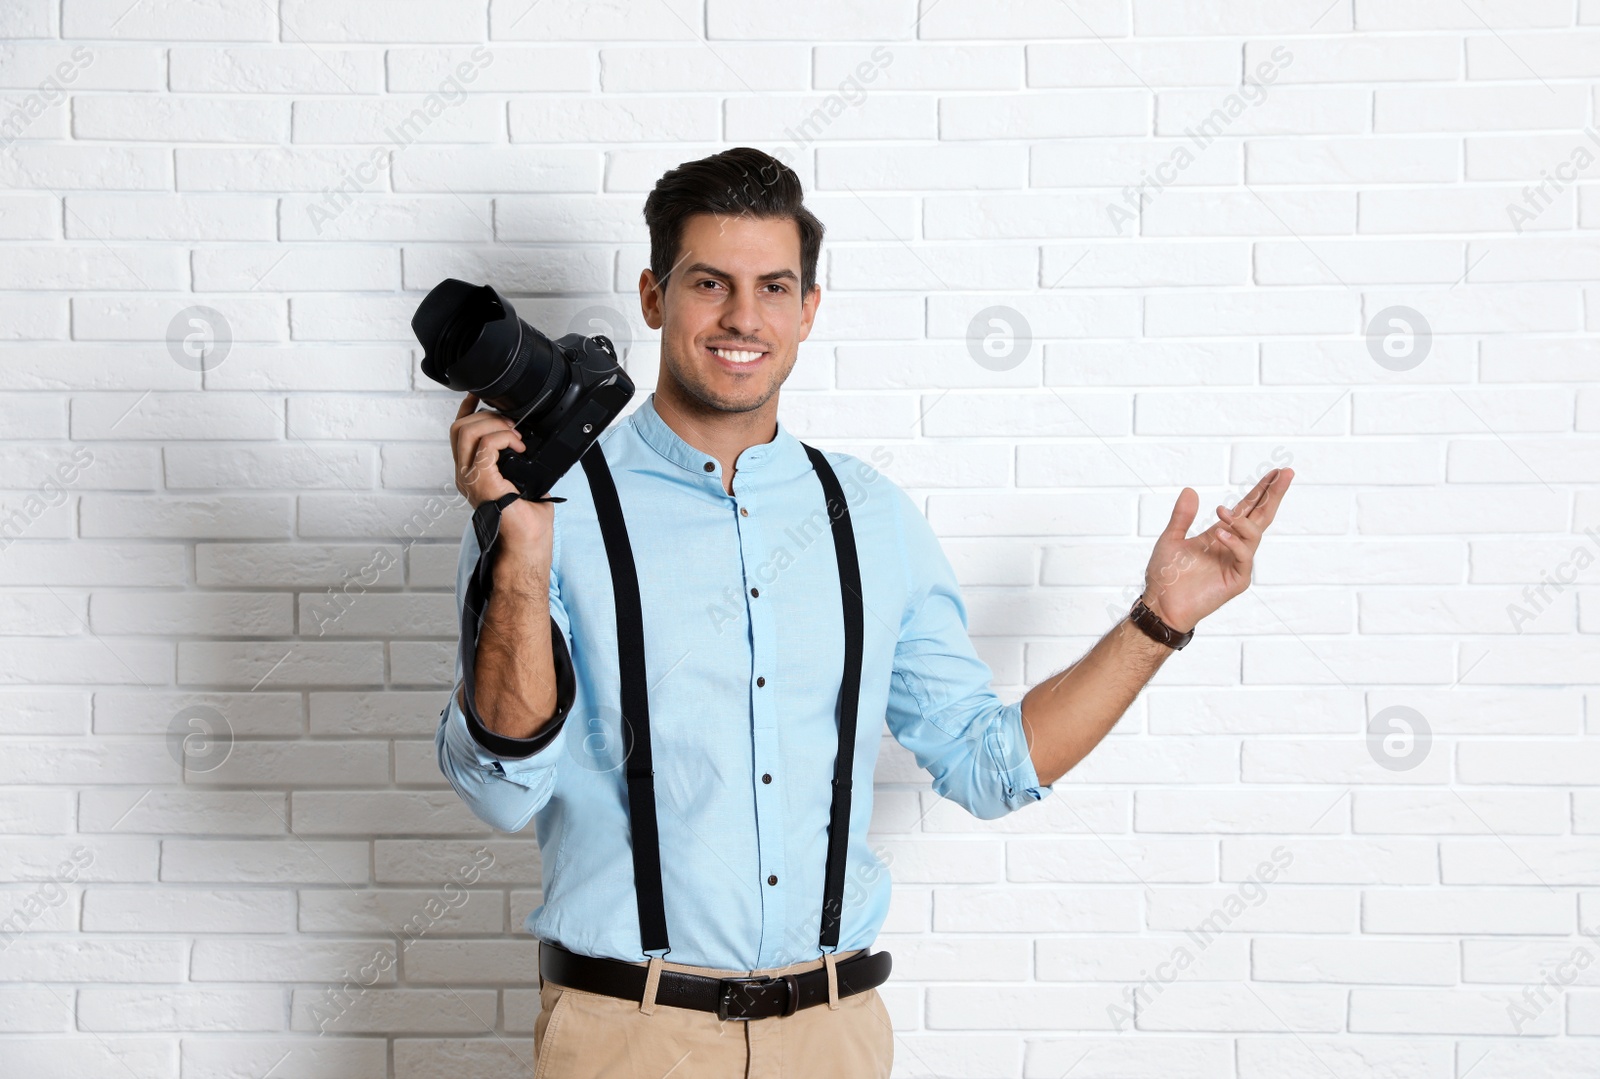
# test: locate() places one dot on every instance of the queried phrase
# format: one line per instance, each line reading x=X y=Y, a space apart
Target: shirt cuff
x=1014 y=761
x=501 y=747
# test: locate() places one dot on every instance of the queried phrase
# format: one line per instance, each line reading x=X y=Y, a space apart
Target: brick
x=1472 y=813
x=86 y=166
x=256 y=960
x=1305 y=212
x=1359 y=58
x=925 y=168
x=1441 y=1011
x=1281 y=1054
x=1412 y=160
x=1351 y=262
x=252 y=664
x=294 y=467
x=1478 y=108
x=1466 y=911
x=275 y=70
x=840 y=67
x=164 y=613
x=383 y=813
x=1147 y=63
x=1029 y=20
x=251 y=861
x=1243 y=1008
x=403 y=20
x=220 y=517
x=1423 y=962
x=183 y=910
x=1194 y=17
x=180 y=119
x=188 y=1010
x=230 y=20
x=632 y=20
x=1264 y=109
x=322 y=1055
x=1229 y=812
x=620 y=119
x=1055 y=910
x=1477 y=412
x=1441 y=14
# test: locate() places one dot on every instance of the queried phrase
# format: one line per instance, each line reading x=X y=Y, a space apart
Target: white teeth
x=738 y=356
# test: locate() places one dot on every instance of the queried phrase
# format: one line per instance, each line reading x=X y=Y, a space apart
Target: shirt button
x=761 y=681
x=755 y=592
x=766 y=777
x=711 y=466
x=743 y=512
x=773 y=879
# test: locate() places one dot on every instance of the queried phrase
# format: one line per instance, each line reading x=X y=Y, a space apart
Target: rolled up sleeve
x=941 y=704
x=504 y=781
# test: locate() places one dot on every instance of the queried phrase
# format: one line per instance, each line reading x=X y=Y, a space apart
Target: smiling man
x=681 y=675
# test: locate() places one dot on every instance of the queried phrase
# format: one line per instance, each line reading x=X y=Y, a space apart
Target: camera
x=561 y=394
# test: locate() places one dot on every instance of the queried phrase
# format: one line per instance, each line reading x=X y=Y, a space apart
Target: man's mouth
x=738 y=357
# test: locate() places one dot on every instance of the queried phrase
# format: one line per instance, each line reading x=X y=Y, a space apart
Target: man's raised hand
x=1191 y=576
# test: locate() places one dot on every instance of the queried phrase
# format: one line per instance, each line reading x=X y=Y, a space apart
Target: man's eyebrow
x=770 y=275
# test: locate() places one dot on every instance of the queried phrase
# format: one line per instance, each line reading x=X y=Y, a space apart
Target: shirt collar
x=784 y=448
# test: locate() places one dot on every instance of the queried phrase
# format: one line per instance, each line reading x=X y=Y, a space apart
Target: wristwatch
x=1155 y=629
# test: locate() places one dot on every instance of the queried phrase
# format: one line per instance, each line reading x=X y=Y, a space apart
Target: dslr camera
x=561 y=394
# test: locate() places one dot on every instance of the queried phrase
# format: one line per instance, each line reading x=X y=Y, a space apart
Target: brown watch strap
x=1155 y=629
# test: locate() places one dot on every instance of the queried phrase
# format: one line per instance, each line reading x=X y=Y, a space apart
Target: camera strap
x=635 y=699
x=474 y=602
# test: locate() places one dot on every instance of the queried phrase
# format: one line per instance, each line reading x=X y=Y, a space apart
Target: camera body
x=561 y=394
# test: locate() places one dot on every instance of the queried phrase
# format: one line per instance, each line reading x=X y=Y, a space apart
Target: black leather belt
x=758 y=997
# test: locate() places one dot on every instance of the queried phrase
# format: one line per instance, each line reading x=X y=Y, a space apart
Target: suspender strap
x=635 y=702
x=844 y=546
x=635 y=699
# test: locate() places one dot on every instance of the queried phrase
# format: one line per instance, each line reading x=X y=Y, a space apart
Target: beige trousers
x=581 y=1035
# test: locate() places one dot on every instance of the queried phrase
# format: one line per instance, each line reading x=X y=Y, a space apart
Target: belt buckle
x=730 y=985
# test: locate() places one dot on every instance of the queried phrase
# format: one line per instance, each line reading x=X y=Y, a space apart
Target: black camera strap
x=635 y=699
x=474 y=602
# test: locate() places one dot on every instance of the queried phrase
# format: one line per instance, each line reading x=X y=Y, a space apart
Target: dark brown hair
x=742 y=180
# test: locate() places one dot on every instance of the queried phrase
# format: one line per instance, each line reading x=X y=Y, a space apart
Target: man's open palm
x=1191 y=576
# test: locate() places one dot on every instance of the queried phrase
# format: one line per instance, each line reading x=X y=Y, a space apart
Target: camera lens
x=475 y=342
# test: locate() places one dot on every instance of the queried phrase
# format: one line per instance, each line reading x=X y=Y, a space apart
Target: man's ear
x=650 y=305
x=808 y=310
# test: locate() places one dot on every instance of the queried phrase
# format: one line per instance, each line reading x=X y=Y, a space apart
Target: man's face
x=731 y=315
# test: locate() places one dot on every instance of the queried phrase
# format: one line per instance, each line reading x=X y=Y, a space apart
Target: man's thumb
x=1183 y=512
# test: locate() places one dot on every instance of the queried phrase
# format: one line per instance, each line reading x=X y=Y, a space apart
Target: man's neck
x=718 y=434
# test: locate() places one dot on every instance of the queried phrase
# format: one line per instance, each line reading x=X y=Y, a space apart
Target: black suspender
x=635 y=702
x=635 y=699
x=844 y=545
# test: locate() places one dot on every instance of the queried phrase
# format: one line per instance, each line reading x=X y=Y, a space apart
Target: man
x=717 y=807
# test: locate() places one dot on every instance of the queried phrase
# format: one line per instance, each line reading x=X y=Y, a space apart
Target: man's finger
x=1183 y=512
x=1248 y=502
x=1266 y=509
x=1244 y=526
x=469 y=405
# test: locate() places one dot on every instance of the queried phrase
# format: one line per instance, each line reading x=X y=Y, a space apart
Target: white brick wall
x=1232 y=886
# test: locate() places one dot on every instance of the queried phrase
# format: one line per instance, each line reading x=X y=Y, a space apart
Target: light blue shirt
x=735 y=589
